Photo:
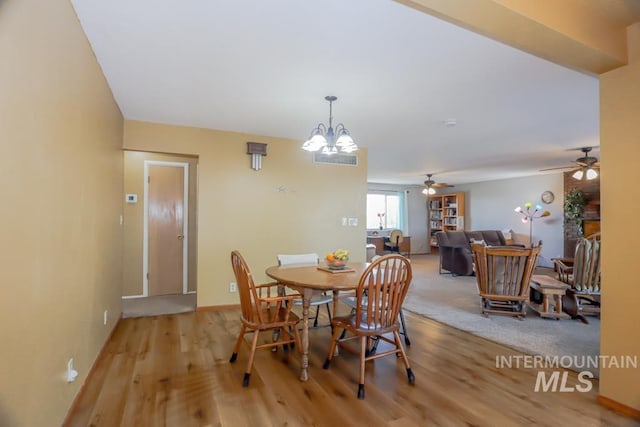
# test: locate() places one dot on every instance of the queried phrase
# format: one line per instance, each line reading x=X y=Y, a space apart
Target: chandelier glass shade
x=328 y=140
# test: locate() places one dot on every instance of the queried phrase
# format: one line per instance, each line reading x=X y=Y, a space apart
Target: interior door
x=166 y=229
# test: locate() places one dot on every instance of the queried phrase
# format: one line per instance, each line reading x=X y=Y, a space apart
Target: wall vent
x=336 y=159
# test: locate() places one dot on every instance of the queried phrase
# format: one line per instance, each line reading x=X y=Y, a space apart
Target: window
x=385 y=209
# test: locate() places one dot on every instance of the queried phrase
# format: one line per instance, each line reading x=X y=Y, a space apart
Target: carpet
x=454 y=301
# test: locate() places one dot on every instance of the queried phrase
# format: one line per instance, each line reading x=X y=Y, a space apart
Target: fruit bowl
x=337 y=260
x=336 y=264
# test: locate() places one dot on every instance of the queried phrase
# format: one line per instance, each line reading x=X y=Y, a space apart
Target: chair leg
x=410 y=376
x=363 y=349
x=247 y=374
x=329 y=315
x=274 y=338
x=371 y=350
x=332 y=347
x=234 y=355
x=315 y=320
x=404 y=328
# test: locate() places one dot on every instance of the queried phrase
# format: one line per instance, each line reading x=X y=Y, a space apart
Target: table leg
x=306 y=302
x=336 y=295
x=558 y=299
x=545 y=303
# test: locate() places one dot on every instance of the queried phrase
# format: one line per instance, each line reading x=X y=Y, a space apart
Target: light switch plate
x=132 y=198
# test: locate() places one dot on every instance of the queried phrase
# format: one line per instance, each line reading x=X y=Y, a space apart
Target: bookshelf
x=446 y=213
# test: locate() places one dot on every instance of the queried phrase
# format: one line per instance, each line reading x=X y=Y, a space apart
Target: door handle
x=180 y=236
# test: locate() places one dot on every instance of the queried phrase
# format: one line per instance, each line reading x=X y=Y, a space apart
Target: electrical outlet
x=233 y=287
x=72 y=374
x=106 y=316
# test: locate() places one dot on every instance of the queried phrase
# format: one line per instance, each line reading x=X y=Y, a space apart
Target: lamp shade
x=315 y=143
x=428 y=191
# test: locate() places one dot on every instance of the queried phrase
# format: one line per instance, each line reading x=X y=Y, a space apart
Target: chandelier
x=328 y=140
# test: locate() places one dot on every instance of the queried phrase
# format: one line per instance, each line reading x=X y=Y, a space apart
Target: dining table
x=310 y=280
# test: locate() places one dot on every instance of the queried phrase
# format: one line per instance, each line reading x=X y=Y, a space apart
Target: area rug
x=454 y=301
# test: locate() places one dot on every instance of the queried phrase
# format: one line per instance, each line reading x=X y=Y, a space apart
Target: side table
x=549 y=287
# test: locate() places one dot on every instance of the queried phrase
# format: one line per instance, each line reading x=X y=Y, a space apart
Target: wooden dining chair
x=384 y=284
x=262 y=312
x=317 y=300
x=350 y=300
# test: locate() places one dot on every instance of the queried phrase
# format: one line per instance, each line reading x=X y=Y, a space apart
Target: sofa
x=455 y=249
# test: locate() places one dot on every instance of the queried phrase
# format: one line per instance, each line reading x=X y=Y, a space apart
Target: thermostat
x=132 y=198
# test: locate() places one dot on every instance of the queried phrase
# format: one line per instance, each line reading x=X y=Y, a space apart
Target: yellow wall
x=61 y=186
x=620 y=174
x=132 y=251
x=290 y=206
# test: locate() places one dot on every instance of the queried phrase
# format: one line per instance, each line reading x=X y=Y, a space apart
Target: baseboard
x=619 y=407
x=101 y=355
x=217 y=307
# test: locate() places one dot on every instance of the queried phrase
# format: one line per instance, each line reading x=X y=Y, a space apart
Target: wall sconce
x=257 y=150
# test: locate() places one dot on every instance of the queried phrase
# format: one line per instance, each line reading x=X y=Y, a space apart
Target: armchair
x=503 y=274
x=582 y=273
x=261 y=312
x=456 y=256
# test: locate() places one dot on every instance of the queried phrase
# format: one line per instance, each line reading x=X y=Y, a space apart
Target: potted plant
x=574 y=203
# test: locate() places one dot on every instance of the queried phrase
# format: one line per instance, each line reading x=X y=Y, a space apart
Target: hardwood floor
x=174 y=370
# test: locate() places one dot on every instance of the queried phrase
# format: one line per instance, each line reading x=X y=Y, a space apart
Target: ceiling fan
x=431 y=185
x=587 y=166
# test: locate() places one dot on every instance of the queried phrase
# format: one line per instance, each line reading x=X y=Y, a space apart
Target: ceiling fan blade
x=441 y=185
x=561 y=167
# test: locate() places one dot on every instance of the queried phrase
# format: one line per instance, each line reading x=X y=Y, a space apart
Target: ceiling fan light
x=578 y=174
x=592 y=173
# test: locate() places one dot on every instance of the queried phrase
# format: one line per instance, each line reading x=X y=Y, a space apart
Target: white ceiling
x=264 y=67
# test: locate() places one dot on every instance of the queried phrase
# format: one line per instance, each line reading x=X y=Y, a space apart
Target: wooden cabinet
x=446 y=212
x=378 y=241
